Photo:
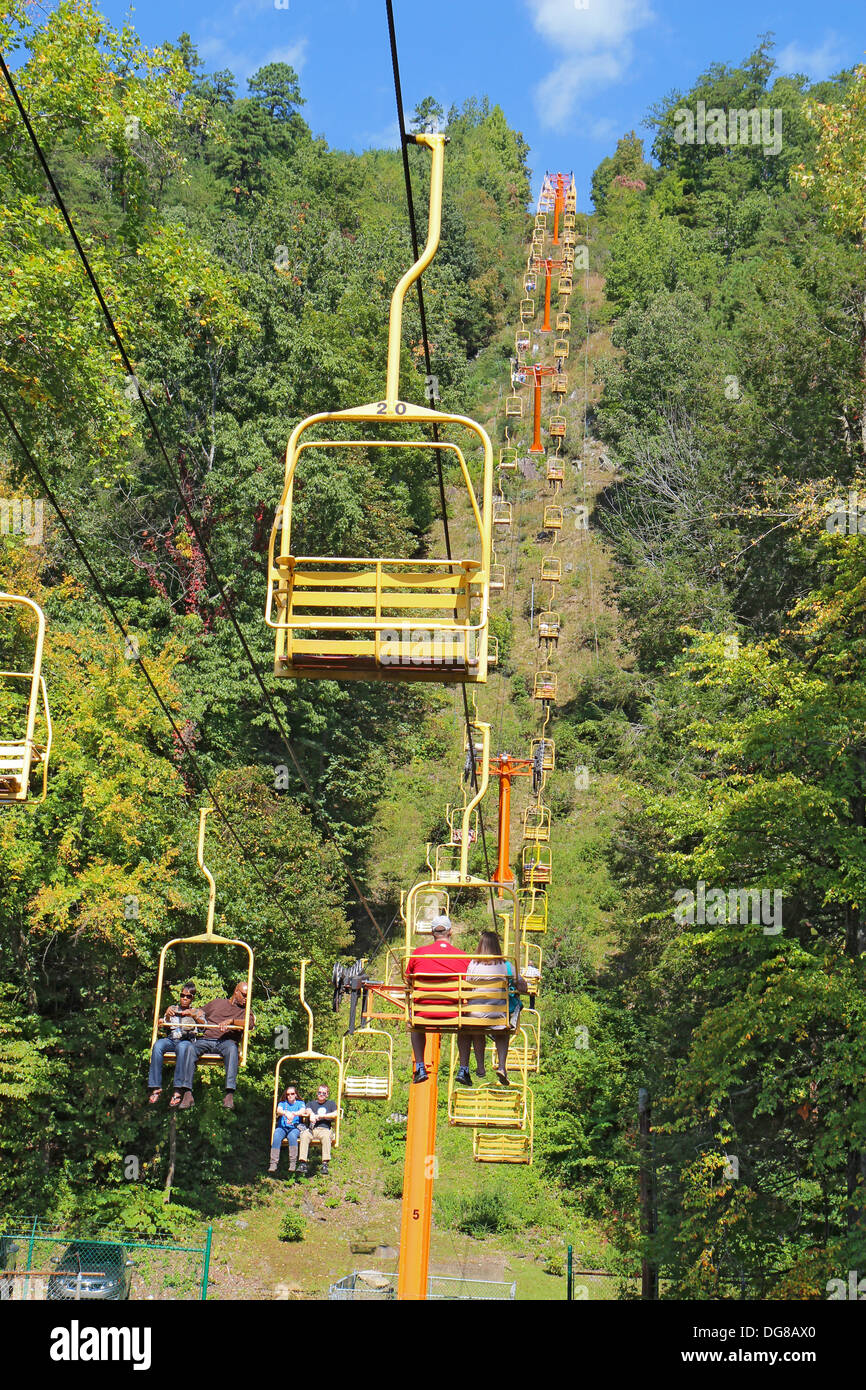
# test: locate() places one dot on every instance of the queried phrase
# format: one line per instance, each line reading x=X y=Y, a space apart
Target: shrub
x=393 y=1184
x=293 y=1226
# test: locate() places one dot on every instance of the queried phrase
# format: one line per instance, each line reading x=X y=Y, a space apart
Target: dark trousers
x=154 y=1076
x=185 y=1066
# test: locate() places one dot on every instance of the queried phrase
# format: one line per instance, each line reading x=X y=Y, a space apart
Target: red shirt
x=437 y=958
x=440 y=958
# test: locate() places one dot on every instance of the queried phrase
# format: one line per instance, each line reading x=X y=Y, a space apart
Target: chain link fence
x=61 y=1265
x=369 y=1285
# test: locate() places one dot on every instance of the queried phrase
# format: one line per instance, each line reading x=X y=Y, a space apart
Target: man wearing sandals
x=223 y=1017
x=182 y=1018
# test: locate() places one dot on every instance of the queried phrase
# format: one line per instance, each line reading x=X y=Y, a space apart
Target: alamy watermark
x=716 y=907
x=847 y=520
x=22 y=516
x=760 y=125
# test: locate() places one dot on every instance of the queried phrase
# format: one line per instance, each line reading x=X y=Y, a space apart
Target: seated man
x=182 y=1017
x=223 y=1016
x=320 y=1115
x=289 y=1112
x=439 y=958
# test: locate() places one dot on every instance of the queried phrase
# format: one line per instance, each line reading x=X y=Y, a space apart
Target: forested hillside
x=249 y=269
x=732 y=405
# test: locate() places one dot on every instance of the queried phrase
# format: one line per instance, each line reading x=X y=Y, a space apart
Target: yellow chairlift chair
x=571 y=197
x=522 y=344
x=488 y=1107
x=551 y=570
x=506 y=1146
x=527 y=310
x=548 y=747
x=533 y=909
x=502 y=513
x=569 y=237
x=549 y=627
x=536 y=863
x=493 y=653
x=454 y=816
x=323 y=1060
x=524 y=1050
x=20 y=754
x=514 y=407
x=507 y=460
x=206 y=938
x=561 y=348
x=367 y=1064
x=552 y=518
x=497 y=576
x=563 y=322
x=530 y=282
x=559 y=383
x=541 y=221
x=536 y=824
x=566 y=285
x=569 y=222
x=436 y=903
x=394 y=618
x=557 y=427
x=545 y=685
x=531 y=963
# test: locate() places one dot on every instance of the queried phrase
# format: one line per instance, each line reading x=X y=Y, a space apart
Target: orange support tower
x=548 y=266
x=505 y=767
x=538 y=373
x=418 y=1173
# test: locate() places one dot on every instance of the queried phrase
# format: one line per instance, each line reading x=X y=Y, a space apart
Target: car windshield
x=106 y=1259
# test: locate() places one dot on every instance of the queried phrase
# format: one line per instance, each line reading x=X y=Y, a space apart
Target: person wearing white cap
x=438 y=960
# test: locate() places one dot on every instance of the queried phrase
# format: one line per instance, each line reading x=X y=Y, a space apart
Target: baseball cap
x=440 y=923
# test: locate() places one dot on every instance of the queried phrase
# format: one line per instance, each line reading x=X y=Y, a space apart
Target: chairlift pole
x=418 y=1176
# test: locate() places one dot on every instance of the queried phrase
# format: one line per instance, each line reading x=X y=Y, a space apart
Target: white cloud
x=295 y=54
x=816 y=63
x=595 y=48
x=386 y=139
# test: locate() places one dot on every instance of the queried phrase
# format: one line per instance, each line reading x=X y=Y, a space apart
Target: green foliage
x=293 y=1226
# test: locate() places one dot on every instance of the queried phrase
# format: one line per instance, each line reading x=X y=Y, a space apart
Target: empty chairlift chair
x=559 y=383
x=561 y=348
x=492 y=652
x=492 y=1107
x=536 y=824
x=392 y=618
x=367 y=1064
x=563 y=322
x=527 y=310
x=502 y=513
x=551 y=571
x=533 y=909
x=508 y=459
x=566 y=285
x=545 y=748
x=497 y=576
x=513 y=408
x=552 y=518
x=25 y=700
x=508 y=1145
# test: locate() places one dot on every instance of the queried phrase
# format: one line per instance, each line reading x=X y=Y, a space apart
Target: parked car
x=91 y=1269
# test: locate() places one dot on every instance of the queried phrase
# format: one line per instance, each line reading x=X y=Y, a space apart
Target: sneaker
x=229 y=1100
x=324 y=1167
x=463 y=1077
x=302 y=1170
x=420 y=1073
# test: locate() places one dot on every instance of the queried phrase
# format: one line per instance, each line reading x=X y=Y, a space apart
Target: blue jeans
x=291 y=1134
x=157 y=1057
x=185 y=1066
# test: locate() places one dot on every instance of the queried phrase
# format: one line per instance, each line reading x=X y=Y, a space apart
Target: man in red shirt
x=438 y=960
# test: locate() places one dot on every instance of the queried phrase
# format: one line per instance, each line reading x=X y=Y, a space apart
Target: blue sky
x=573 y=75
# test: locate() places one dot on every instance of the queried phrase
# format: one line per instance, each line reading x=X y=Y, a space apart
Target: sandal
x=175 y=1101
x=155 y=1095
